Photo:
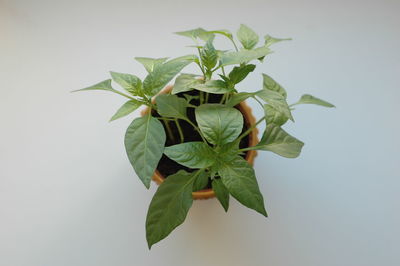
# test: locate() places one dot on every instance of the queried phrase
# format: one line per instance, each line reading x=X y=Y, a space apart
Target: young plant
x=201 y=107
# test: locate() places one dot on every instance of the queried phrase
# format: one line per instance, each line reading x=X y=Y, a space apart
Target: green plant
x=217 y=157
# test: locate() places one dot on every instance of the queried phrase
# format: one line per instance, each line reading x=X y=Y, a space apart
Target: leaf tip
x=263 y=212
x=147 y=183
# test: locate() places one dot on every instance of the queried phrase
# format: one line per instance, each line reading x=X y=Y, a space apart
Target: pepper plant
x=216 y=160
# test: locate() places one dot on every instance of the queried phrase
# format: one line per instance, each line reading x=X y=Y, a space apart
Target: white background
x=68 y=195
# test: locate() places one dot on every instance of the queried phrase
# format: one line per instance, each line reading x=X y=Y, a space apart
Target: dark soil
x=167 y=166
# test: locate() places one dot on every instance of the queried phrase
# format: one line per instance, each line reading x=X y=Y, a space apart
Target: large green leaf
x=169 y=206
x=191 y=154
x=162 y=74
x=208 y=55
x=144 y=144
x=213 y=86
x=219 y=124
x=239 y=178
x=130 y=83
x=221 y=192
x=270 y=84
x=244 y=56
x=238 y=98
x=309 y=99
x=273 y=116
x=150 y=63
x=247 y=37
x=240 y=73
x=169 y=105
x=277 y=101
x=196 y=33
x=277 y=140
x=126 y=109
x=185 y=82
x=269 y=40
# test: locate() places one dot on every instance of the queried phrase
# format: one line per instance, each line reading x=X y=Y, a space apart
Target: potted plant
x=198 y=138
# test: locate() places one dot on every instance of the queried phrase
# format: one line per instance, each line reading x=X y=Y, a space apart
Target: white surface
x=68 y=195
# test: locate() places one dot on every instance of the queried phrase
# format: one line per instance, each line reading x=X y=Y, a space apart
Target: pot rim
x=250 y=156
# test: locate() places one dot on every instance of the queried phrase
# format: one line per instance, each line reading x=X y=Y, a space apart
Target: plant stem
x=179 y=130
x=223 y=71
x=199 y=63
x=207 y=97
x=222 y=99
x=245 y=149
x=234 y=44
x=248 y=131
x=255 y=98
x=202 y=70
x=123 y=94
x=197 y=129
x=169 y=131
x=201 y=97
x=228 y=96
x=164 y=118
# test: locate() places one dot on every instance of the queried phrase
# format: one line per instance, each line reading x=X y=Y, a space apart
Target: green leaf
x=169 y=105
x=144 y=144
x=270 y=84
x=126 y=109
x=213 y=86
x=221 y=192
x=208 y=55
x=191 y=154
x=238 y=98
x=201 y=181
x=225 y=33
x=309 y=99
x=185 y=82
x=196 y=33
x=247 y=37
x=150 y=63
x=225 y=153
x=239 y=178
x=228 y=152
x=102 y=86
x=277 y=101
x=240 y=73
x=164 y=73
x=273 y=116
x=130 y=83
x=244 y=56
x=169 y=206
x=224 y=78
x=269 y=40
x=219 y=124
x=277 y=140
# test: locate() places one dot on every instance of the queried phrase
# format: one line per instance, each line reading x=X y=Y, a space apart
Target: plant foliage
x=217 y=160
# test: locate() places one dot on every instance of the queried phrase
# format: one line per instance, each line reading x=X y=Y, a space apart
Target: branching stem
x=248 y=131
x=197 y=129
x=169 y=131
x=179 y=130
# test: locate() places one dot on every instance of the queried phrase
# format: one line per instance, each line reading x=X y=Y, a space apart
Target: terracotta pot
x=249 y=119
